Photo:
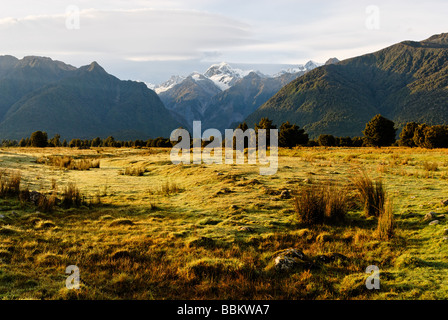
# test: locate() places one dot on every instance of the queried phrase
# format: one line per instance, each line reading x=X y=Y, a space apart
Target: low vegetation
x=223 y=231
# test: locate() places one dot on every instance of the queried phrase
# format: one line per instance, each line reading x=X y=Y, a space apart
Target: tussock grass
x=372 y=194
x=10 y=183
x=67 y=162
x=318 y=204
x=136 y=171
x=71 y=197
x=386 y=222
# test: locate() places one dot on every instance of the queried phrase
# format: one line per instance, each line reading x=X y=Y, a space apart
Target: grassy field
x=148 y=229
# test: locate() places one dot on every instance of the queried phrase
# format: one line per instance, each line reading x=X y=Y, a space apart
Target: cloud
x=141 y=34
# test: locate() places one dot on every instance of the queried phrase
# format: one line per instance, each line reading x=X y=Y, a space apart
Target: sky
x=151 y=40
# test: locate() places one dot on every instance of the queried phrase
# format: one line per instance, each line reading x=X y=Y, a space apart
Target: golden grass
x=213 y=231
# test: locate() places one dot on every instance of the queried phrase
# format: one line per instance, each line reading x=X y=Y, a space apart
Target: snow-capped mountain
x=224 y=76
x=310 y=65
x=223 y=95
x=167 y=85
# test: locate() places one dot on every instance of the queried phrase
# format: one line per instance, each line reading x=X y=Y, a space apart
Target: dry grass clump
x=320 y=204
x=372 y=194
x=69 y=162
x=134 y=171
x=71 y=197
x=169 y=188
x=10 y=183
x=386 y=222
x=430 y=166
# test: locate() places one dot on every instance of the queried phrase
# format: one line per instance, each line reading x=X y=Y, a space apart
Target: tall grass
x=372 y=194
x=69 y=163
x=71 y=197
x=318 y=204
x=10 y=183
x=134 y=171
x=386 y=222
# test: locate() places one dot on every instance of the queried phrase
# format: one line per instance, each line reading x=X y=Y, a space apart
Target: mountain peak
x=332 y=61
x=95 y=67
x=438 y=39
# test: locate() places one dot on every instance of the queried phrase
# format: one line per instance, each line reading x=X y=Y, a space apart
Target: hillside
x=404 y=82
x=78 y=103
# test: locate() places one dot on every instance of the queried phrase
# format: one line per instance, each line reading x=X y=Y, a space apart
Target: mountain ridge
x=405 y=82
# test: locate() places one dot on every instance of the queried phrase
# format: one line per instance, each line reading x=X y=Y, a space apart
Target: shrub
x=39 y=139
x=380 y=132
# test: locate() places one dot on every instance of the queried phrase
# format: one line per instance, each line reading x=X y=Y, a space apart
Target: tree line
x=379 y=132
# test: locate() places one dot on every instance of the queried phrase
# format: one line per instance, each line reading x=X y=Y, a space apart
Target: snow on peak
x=174 y=80
x=310 y=65
x=224 y=76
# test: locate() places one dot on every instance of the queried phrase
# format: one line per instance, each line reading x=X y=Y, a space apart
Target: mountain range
x=38 y=93
x=223 y=96
x=405 y=82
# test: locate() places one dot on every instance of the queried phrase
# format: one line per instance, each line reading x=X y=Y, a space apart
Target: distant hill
x=41 y=94
x=404 y=82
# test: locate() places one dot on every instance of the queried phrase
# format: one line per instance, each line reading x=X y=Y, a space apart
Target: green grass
x=171 y=234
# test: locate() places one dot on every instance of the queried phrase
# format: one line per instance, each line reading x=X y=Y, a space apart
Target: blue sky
x=151 y=40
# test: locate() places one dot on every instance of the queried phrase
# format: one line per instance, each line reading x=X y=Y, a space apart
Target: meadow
x=144 y=228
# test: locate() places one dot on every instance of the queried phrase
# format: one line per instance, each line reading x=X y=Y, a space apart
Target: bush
x=39 y=139
x=380 y=132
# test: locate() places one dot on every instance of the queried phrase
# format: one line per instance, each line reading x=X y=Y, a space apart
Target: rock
x=1 y=216
x=290 y=259
x=445 y=202
x=441 y=216
x=433 y=223
x=445 y=238
x=245 y=229
x=286 y=194
x=430 y=216
x=35 y=196
x=323 y=259
x=338 y=256
x=331 y=258
x=293 y=253
x=284 y=263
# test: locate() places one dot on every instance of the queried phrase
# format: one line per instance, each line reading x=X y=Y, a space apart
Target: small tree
x=39 y=139
x=291 y=135
x=380 y=132
x=266 y=124
x=407 y=135
x=55 y=141
x=326 y=140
